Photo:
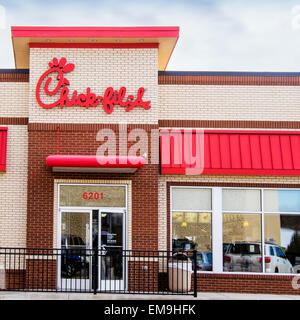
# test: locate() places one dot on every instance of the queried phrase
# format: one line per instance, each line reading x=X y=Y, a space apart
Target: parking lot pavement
x=90 y=296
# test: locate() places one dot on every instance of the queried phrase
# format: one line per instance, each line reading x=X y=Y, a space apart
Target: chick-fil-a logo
x=110 y=98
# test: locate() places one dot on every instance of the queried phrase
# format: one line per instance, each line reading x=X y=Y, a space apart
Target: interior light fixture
x=245 y=223
x=183 y=224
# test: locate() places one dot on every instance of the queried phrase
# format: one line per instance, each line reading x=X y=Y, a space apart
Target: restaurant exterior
x=104 y=152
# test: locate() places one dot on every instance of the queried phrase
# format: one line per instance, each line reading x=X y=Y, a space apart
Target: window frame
x=217 y=225
x=194 y=211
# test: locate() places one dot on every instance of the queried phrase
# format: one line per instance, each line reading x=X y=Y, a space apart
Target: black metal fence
x=106 y=270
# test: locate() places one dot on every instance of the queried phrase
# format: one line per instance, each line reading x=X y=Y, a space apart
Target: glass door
x=75 y=259
x=111 y=243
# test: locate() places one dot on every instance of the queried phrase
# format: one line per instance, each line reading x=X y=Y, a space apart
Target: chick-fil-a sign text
x=88 y=99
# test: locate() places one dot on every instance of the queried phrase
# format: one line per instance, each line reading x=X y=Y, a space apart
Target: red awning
x=229 y=152
x=3 y=146
x=83 y=163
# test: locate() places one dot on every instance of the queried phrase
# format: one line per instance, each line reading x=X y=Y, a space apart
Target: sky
x=215 y=35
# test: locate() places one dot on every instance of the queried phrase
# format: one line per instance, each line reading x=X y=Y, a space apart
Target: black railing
x=106 y=270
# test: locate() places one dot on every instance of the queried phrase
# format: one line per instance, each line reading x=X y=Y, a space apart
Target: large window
x=191 y=223
x=242 y=230
x=256 y=230
x=282 y=231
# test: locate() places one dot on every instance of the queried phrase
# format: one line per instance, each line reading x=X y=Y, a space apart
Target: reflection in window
x=243 y=211
x=282 y=237
x=192 y=230
x=74 y=229
x=282 y=200
x=242 y=242
x=75 y=233
x=191 y=199
x=241 y=200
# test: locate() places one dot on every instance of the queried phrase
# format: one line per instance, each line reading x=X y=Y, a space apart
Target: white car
x=246 y=257
x=242 y=257
x=296 y=266
x=276 y=261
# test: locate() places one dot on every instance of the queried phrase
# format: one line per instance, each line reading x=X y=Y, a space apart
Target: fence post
x=195 y=272
x=94 y=269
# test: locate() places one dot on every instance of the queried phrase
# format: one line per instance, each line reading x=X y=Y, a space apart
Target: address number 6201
x=92 y=196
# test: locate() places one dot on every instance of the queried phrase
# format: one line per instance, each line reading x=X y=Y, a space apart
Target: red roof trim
x=194 y=131
x=85 y=161
x=234 y=172
x=230 y=152
x=94 y=45
x=96 y=32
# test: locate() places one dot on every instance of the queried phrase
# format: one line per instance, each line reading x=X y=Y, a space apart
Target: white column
x=217 y=230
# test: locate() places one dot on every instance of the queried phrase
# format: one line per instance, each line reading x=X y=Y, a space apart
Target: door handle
x=103 y=250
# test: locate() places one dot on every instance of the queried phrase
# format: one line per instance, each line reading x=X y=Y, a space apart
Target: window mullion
x=217 y=226
x=262 y=231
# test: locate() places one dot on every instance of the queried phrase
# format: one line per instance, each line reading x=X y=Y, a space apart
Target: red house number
x=92 y=196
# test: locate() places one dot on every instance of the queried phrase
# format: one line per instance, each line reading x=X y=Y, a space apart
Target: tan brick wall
x=98 y=69
x=162 y=191
x=14 y=99
x=13 y=190
x=211 y=102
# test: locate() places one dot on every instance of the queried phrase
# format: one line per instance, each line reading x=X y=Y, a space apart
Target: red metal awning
x=3 y=146
x=84 y=163
x=228 y=152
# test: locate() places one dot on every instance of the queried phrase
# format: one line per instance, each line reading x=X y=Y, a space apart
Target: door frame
x=112 y=283
x=72 y=283
x=60 y=209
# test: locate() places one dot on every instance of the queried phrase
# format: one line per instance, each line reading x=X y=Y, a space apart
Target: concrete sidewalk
x=90 y=296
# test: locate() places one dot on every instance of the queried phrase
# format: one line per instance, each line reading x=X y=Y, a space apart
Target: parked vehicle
x=204 y=261
x=225 y=247
x=246 y=257
x=296 y=266
x=183 y=244
x=276 y=261
x=242 y=257
x=74 y=256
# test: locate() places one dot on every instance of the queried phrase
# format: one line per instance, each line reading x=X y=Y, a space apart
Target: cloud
x=2 y=17
x=214 y=35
